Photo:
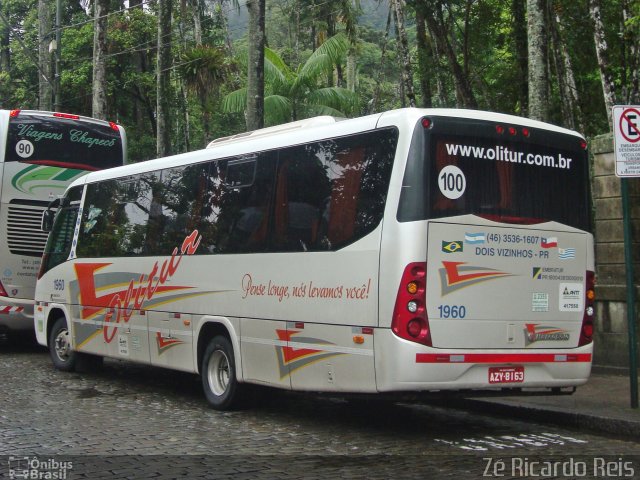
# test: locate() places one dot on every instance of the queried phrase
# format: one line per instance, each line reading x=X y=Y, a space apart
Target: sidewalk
x=602 y=406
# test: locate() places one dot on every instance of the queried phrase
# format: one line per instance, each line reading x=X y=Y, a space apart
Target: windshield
x=527 y=176
x=60 y=239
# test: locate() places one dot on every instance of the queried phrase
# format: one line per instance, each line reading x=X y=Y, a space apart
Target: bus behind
x=41 y=153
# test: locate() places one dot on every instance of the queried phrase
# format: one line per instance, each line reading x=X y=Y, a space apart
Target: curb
x=629 y=429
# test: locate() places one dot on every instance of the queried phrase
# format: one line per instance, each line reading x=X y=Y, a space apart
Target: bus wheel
x=63 y=357
x=219 y=374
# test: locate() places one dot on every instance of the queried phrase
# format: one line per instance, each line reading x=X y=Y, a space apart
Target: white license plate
x=506 y=374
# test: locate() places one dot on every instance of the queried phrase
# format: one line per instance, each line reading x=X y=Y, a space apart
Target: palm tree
x=295 y=94
x=204 y=69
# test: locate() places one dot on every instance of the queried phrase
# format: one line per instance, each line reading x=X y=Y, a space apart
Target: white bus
x=41 y=153
x=408 y=251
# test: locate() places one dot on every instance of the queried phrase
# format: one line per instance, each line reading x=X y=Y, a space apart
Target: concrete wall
x=611 y=345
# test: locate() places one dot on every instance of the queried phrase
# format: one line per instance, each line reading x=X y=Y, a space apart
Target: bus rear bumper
x=16 y=314
x=404 y=366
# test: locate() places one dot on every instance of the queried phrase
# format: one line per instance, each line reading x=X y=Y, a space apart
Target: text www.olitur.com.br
x=505 y=154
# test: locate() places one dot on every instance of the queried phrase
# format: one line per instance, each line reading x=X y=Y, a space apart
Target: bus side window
x=130 y=219
x=302 y=187
x=345 y=191
x=333 y=192
x=244 y=210
x=120 y=227
x=93 y=239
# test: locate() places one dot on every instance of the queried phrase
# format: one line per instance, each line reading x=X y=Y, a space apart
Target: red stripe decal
x=9 y=310
x=57 y=163
x=502 y=357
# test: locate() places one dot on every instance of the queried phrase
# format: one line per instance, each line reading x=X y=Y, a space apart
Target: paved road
x=132 y=421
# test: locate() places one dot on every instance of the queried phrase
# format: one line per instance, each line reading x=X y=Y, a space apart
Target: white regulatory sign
x=452 y=182
x=24 y=148
x=626 y=138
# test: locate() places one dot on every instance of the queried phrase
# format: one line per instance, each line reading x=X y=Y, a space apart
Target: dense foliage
x=341 y=57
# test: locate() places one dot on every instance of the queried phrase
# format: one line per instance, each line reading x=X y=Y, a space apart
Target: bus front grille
x=24 y=228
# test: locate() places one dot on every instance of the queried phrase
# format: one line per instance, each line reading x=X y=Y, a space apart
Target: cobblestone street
x=132 y=421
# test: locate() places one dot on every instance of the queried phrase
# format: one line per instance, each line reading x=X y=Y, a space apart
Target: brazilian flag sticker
x=452 y=247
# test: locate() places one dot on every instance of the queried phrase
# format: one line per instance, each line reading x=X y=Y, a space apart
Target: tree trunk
x=99 y=99
x=296 y=50
x=197 y=24
x=140 y=99
x=183 y=130
x=423 y=59
x=373 y=104
x=566 y=80
x=187 y=119
x=349 y=18
x=538 y=74
x=255 y=71
x=440 y=33
x=5 y=52
x=352 y=62
x=608 y=87
x=45 y=74
x=407 y=74
x=520 y=45
x=632 y=44
x=163 y=78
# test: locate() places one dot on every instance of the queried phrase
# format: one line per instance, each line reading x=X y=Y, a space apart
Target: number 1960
x=452 y=311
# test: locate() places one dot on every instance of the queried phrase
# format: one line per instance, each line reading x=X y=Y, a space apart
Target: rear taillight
x=586 y=332
x=14 y=113
x=3 y=292
x=410 y=320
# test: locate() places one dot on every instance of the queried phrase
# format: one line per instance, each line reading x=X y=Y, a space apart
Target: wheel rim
x=218 y=372
x=61 y=345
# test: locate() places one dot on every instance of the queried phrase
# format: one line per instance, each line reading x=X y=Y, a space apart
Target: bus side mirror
x=47 y=220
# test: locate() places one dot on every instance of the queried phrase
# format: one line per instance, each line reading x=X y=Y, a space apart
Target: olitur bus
x=408 y=251
x=41 y=153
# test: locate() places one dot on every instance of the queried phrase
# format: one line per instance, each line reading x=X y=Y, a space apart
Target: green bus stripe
x=43 y=173
x=67 y=174
x=14 y=180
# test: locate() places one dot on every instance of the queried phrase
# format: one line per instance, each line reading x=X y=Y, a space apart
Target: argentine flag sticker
x=474 y=238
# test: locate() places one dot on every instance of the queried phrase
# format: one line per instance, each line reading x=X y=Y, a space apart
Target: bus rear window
x=63 y=142
x=511 y=180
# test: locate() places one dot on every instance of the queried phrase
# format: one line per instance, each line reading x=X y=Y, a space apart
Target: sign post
x=626 y=129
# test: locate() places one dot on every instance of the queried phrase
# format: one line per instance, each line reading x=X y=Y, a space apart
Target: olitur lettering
x=119 y=304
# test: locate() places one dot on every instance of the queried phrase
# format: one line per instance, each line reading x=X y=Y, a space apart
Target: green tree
x=300 y=93
x=204 y=70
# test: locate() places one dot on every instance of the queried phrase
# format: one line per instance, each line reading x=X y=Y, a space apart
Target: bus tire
x=218 y=372
x=62 y=355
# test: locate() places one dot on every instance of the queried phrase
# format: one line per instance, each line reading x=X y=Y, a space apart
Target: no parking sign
x=626 y=137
